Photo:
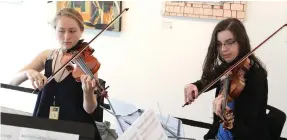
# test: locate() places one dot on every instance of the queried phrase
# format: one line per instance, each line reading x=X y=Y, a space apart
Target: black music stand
x=84 y=130
x=97 y=115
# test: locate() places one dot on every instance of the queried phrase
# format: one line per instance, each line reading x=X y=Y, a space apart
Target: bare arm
x=37 y=64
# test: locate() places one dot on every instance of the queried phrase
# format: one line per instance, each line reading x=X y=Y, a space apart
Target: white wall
x=147 y=63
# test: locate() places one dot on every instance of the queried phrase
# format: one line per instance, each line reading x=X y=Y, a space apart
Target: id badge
x=54 y=113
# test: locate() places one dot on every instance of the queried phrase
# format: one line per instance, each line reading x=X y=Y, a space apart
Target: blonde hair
x=72 y=13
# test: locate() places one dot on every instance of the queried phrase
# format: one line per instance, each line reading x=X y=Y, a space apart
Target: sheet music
x=131 y=134
x=22 y=133
x=17 y=100
x=146 y=127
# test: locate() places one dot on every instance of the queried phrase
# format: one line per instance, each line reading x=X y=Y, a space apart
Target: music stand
x=42 y=123
x=126 y=121
x=84 y=130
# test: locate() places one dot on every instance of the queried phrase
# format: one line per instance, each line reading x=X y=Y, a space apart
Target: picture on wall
x=96 y=14
x=217 y=10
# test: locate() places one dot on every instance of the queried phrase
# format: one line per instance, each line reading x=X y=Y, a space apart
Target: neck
x=233 y=61
x=63 y=50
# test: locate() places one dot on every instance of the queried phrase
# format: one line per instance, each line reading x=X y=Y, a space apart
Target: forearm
x=18 y=78
x=90 y=102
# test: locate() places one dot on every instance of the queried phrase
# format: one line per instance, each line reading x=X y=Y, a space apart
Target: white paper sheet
x=131 y=134
x=146 y=127
x=21 y=133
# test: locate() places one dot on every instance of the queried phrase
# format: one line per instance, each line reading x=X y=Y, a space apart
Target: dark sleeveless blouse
x=68 y=96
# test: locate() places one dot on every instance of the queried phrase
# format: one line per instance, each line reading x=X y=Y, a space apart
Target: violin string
x=87 y=71
x=224 y=97
x=102 y=90
x=84 y=67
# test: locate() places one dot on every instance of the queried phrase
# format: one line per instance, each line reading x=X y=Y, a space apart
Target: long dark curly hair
x=213 y=60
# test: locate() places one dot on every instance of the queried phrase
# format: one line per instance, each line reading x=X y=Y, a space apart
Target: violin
x=237 y=80
x=234 y=82
x=86 y=63
x=79 y=60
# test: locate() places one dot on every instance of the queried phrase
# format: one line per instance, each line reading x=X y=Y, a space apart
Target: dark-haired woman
x=229 y=43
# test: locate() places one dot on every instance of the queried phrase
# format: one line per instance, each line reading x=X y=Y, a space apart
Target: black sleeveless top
x=68 y=96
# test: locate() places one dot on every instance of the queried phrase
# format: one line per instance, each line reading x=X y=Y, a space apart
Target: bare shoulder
x=47 y=53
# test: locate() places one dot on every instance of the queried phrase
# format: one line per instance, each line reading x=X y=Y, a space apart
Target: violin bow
x=237 y=63
x=86 y=46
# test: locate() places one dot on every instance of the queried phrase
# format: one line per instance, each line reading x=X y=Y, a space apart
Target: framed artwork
x=206 y=9
x=96 y=14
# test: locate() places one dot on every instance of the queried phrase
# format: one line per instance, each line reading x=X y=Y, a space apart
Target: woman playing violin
x=74 y=101
x=247 y=112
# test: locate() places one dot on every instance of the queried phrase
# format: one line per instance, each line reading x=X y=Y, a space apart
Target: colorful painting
x=96 y=14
